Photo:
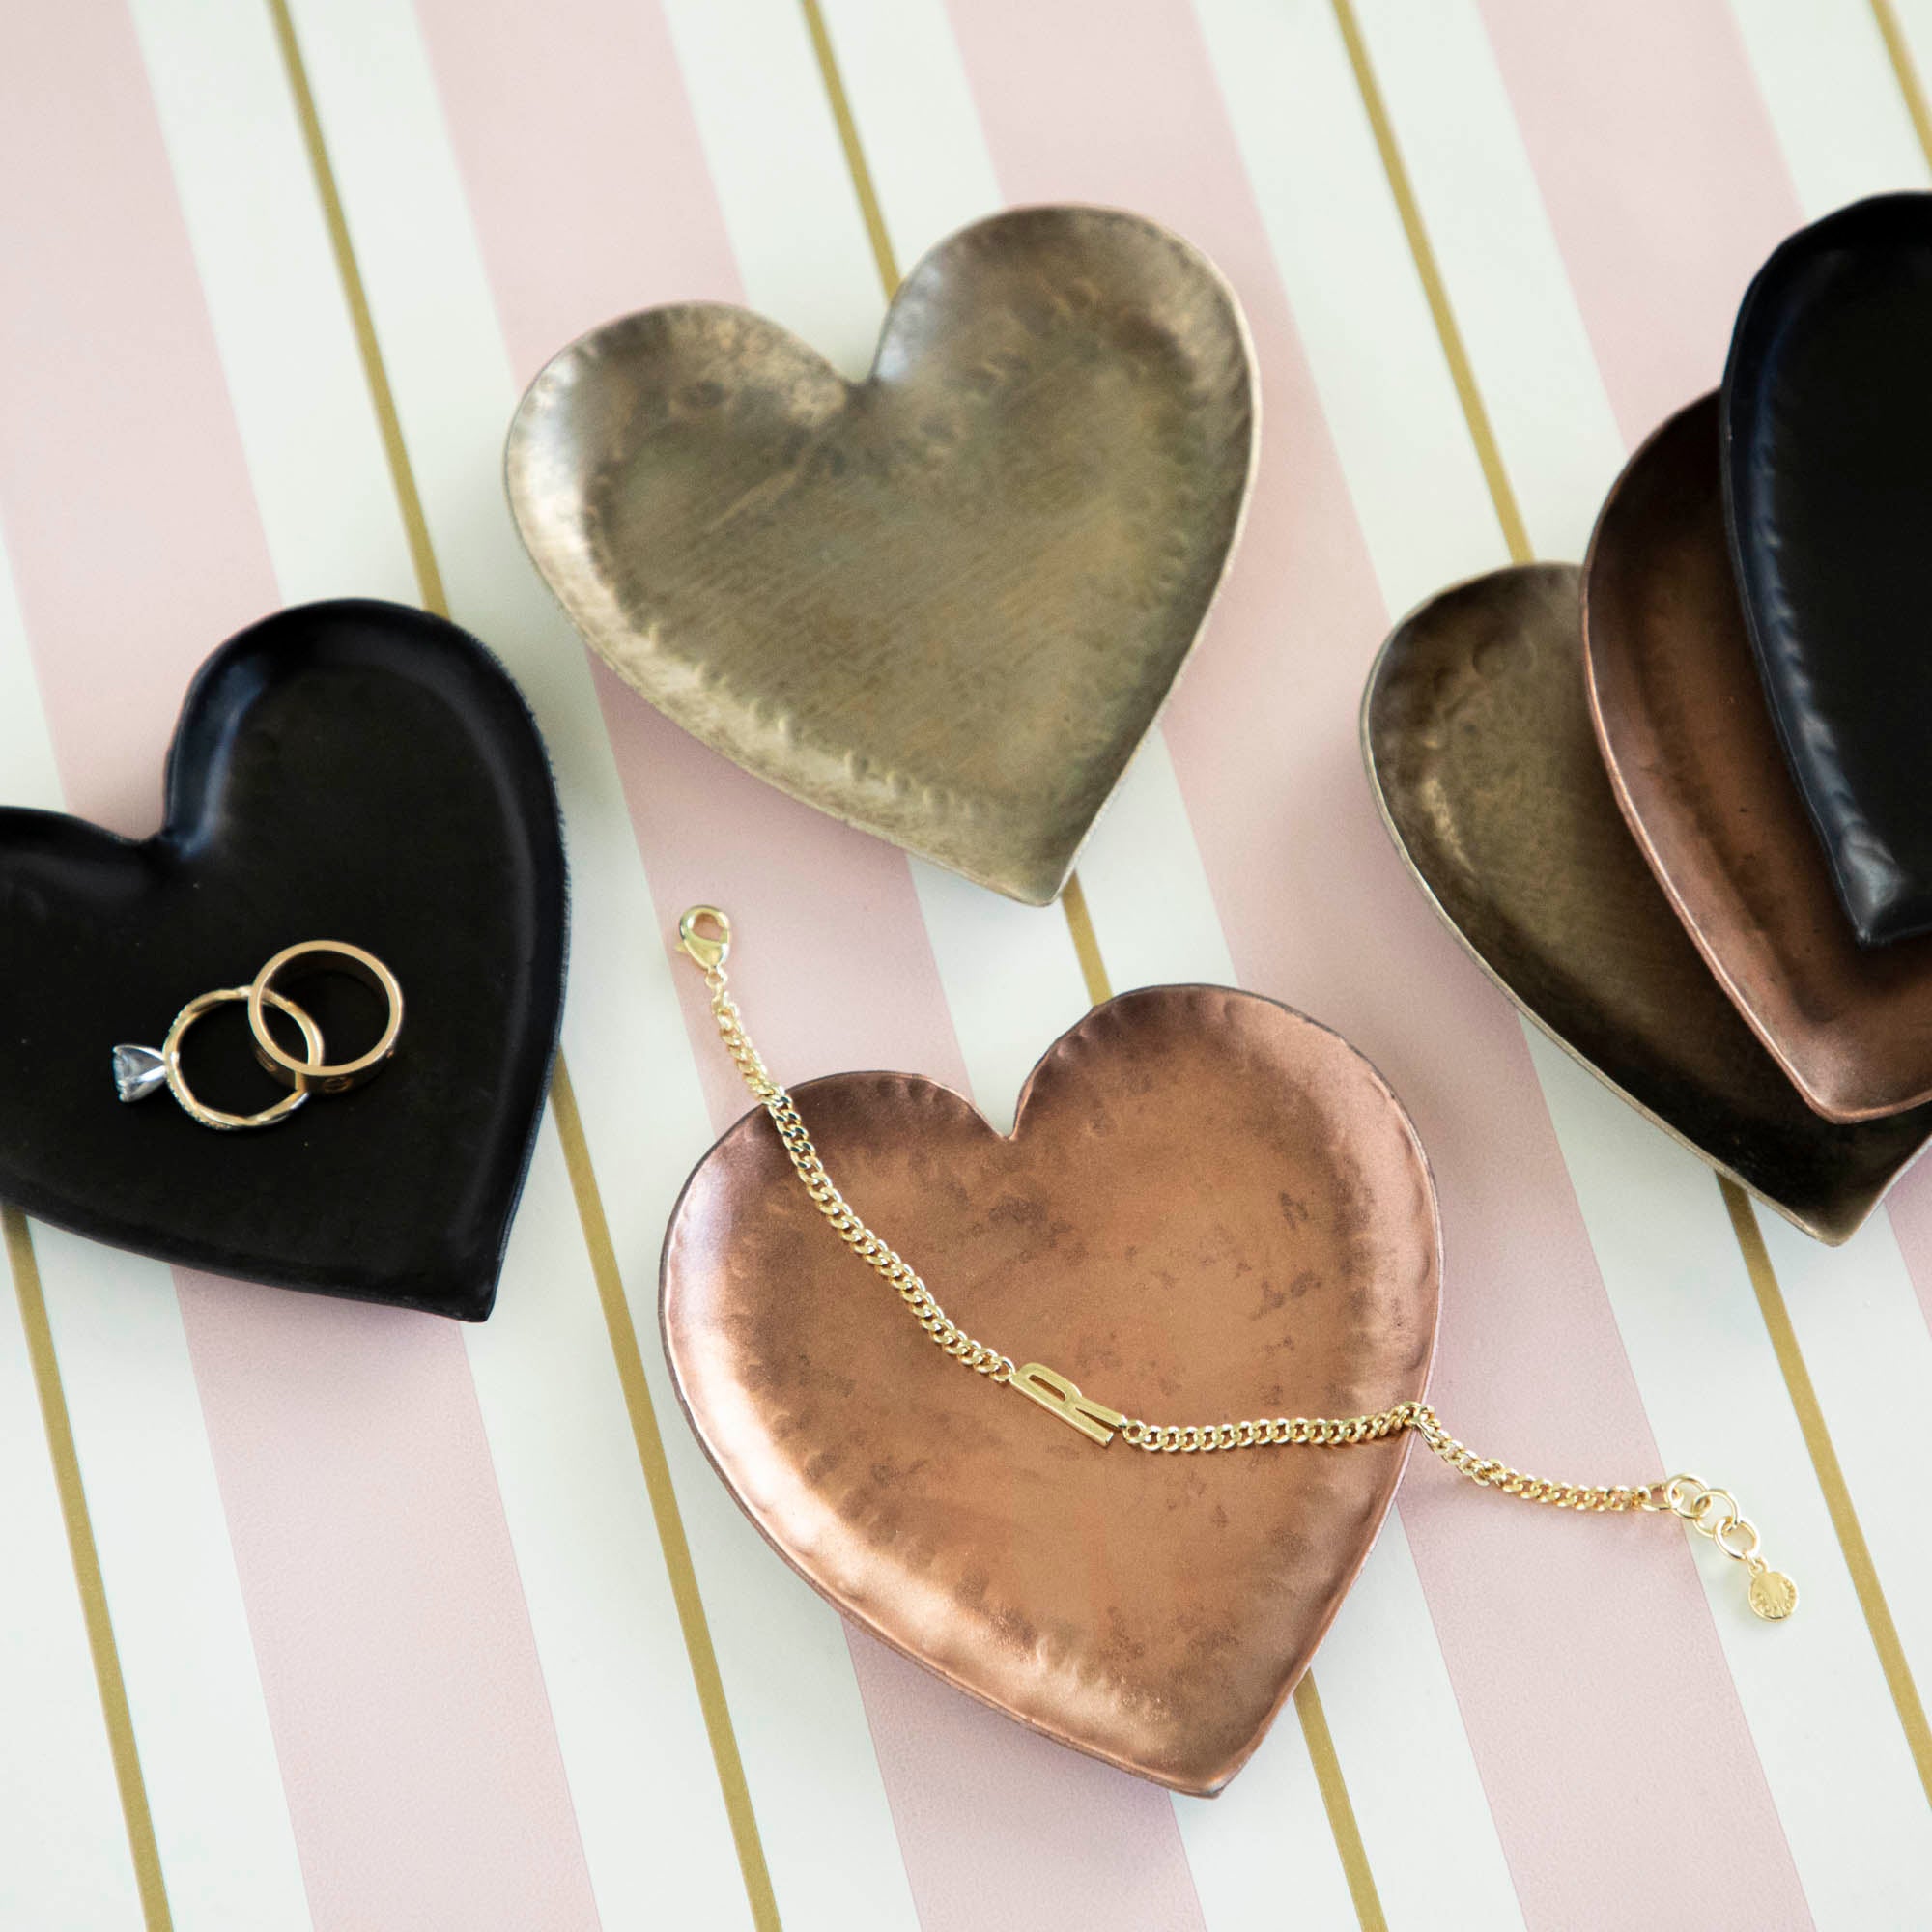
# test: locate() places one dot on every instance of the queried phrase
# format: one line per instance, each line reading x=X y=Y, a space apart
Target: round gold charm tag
x=1774 y=1595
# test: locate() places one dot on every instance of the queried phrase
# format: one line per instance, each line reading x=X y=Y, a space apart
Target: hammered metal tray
x=1477 y=732
x=1208 y=1205
x=943 y=604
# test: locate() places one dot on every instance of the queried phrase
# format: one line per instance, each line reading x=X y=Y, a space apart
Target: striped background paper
x=338 y=1617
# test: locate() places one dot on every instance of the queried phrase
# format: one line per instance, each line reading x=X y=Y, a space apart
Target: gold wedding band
x=304 y=962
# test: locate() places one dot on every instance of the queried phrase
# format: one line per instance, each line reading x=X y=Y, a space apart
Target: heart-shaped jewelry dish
x=1694 y=758
x=1826 y=422
x=1481 y=749
x=1209 y=1207
x=943 y=604
x=351 y=771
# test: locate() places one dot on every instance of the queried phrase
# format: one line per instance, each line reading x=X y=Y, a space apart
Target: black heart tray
x=1827 y=478
x=351 y=771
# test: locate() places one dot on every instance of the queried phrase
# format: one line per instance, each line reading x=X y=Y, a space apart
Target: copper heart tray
x=1694 y=758
x=943 y=604
x=1209 y=1208
x=1477 y=731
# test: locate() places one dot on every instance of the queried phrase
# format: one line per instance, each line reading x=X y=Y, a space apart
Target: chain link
x=1711 y=1512
x=878 y=1253
x=1344 y=1431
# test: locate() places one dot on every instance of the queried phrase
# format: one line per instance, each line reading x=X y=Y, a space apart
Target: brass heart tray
x=943 y=604
x=1477 y=732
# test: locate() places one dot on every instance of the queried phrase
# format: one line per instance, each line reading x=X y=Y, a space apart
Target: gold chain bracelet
x=1712 y=1512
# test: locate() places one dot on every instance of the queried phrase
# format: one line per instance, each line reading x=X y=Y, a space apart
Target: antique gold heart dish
x=943 y=604
x=1206 y=1199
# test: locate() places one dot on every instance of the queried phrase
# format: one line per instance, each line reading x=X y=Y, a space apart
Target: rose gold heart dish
x=1209 y=1207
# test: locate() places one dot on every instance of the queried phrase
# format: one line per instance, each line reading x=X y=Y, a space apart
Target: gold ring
x=322 y=955
x=176 y=1081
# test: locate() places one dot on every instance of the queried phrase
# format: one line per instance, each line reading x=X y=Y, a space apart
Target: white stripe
x=787 y=1675
x=1834 y=100
x=1721 y=1403
x=1154 y=917
x=64 y=1858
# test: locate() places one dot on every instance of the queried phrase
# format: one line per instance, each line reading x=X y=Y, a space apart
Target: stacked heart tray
x=1673 y=800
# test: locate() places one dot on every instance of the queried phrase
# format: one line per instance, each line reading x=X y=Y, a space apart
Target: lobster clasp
x=709 y=953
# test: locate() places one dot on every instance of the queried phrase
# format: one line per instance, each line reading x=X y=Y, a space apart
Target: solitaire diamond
x=137 y=1072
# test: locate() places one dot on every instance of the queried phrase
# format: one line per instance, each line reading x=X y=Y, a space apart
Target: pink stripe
x=581 y=109
x=1663 y=182
x=1910 y=1209
x=417 y=1750
x=402 y=1683
x=1551 y=1629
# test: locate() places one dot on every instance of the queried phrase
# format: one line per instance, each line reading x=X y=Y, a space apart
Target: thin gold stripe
x=854 y=154
x=113 y=1687
x=415 y=526
x=1757 y=1260
x=664 y=1501
x=622 y=1331
x=1099 y=988
x=1086 y=942
x=1832 y=1481
x=1335 y=1801
x=1907 y=71
x=1514 y=533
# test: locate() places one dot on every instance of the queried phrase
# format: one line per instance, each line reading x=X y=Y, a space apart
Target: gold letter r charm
x=1058 y=1396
